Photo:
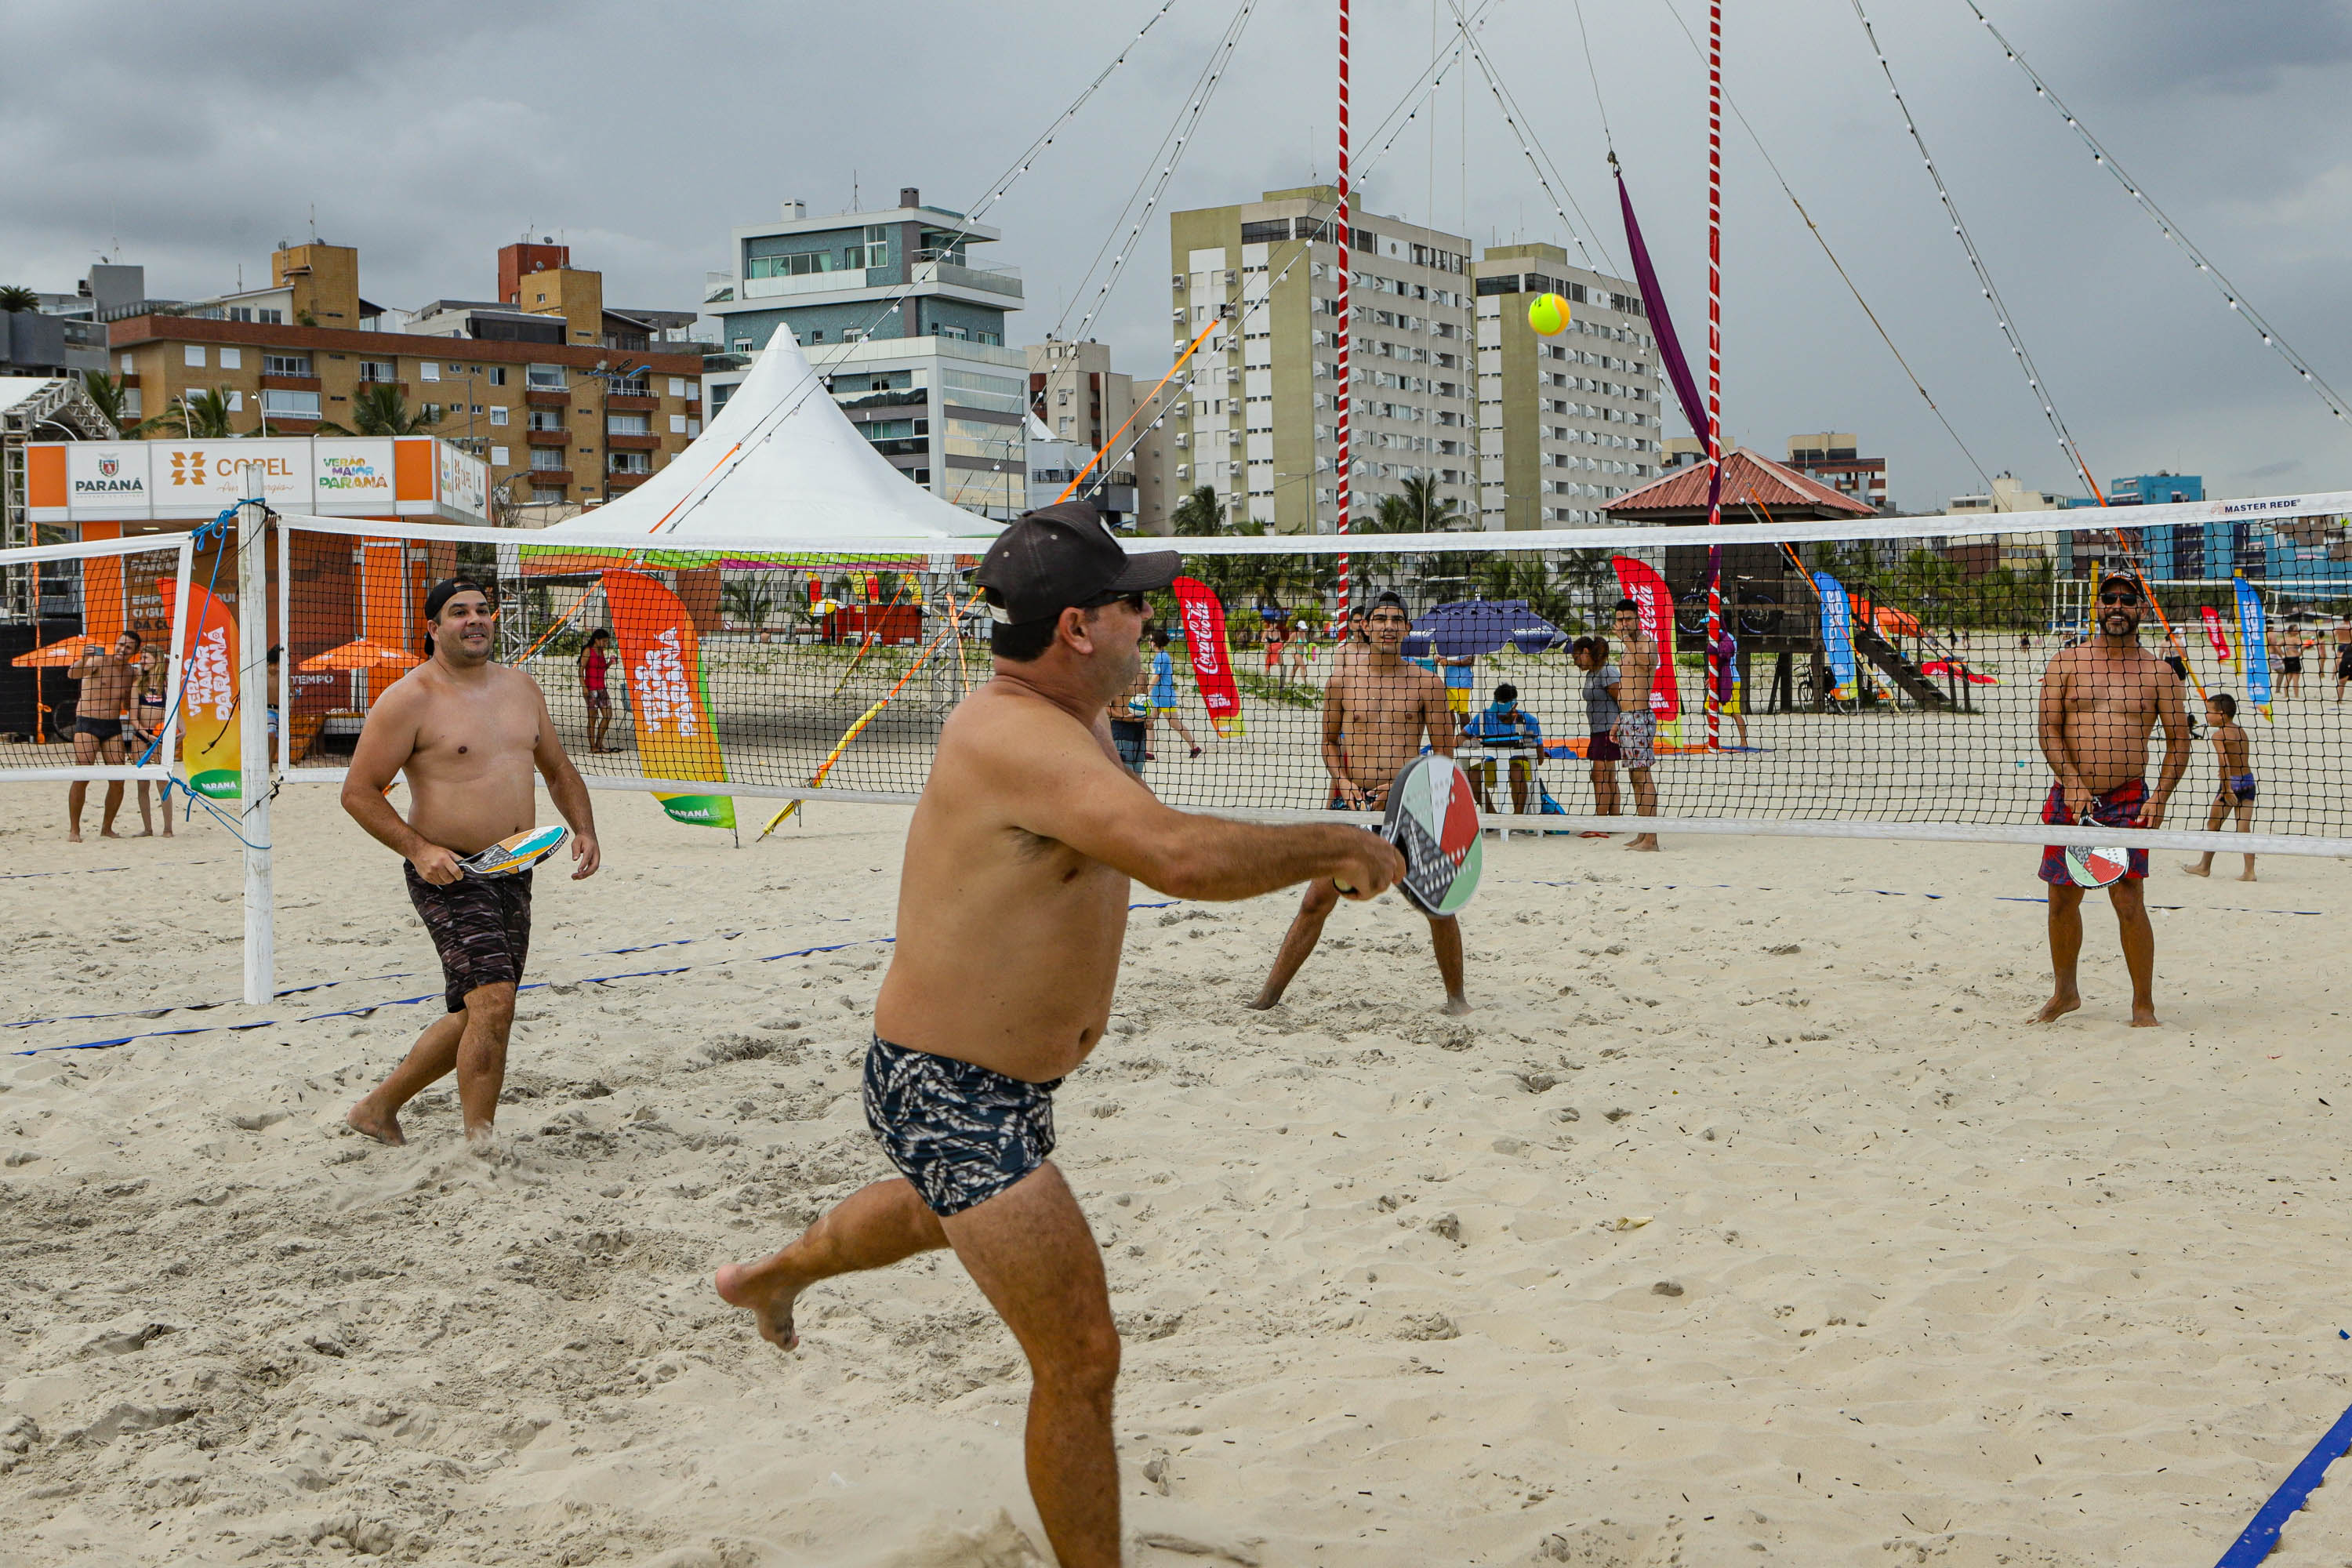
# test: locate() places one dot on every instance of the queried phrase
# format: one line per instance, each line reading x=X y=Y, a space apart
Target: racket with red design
x=1432 y=820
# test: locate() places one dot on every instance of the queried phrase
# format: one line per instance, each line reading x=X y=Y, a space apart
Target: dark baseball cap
x=1062 y=556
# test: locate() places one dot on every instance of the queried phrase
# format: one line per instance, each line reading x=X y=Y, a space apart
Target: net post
x=253 y=740
x=1340 y=399
x=1713 y=368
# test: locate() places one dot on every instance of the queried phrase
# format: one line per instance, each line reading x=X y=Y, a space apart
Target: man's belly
x=469 y=814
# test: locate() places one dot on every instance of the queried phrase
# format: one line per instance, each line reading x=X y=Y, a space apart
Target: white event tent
x=781 y=462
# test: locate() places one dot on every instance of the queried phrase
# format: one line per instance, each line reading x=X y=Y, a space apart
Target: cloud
x=430 y=133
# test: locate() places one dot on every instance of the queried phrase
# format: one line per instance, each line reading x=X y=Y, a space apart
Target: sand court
x=1746 y=1220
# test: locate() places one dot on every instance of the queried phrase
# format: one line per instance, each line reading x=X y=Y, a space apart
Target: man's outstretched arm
x=1067 y=789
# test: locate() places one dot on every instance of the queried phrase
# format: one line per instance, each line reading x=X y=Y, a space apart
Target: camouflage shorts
x=961 y=1133
x=480 y=926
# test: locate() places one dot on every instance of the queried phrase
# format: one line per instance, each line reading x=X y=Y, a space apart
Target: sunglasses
x=2119 y=598
x=1133 y=601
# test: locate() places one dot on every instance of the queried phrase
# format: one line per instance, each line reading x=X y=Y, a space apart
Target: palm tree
x=380 y=410
x=200 y=416
x=16 y=296
x=749 y=600
x=106 y=391
x=1200 y=515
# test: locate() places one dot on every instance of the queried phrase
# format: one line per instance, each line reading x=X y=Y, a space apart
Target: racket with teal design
x=1432 y=820
x=515 y=854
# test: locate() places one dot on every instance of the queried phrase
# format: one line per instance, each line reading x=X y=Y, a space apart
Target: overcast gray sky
x=428 y=133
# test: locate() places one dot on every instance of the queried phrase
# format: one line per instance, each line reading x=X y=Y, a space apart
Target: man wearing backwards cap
x=2100 y=699
x=1012 y=910
x=468 y=733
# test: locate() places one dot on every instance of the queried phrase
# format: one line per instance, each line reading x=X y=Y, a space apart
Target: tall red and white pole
x=1339 y=398
x=1715 y=677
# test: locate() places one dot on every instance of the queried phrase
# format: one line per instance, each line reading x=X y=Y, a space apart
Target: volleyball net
x=89 y=686
x=1878 y=679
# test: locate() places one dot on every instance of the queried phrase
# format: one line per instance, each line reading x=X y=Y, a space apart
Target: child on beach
x=2234 y=750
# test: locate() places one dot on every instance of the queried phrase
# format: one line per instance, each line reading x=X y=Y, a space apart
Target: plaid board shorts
x=2119 y=807
x=957 y=1131
x=480 y=926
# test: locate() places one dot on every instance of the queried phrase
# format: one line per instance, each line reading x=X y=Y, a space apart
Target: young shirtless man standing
x=468 y=733
x=2100 y=700
x=105 y=677
x=1376 y=708
x=1636 y=729
x=1012 y=911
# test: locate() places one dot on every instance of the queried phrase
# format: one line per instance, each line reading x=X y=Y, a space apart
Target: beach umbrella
x=361 y=654
x=1468 y=627
x=61 y=652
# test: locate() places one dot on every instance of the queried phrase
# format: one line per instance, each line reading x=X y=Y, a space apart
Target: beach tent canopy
x=781 y=461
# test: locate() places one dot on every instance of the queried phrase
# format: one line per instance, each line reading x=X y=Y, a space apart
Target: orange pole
x=1190 y=349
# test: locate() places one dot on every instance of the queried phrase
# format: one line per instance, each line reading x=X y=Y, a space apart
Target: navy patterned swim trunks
x=480 y=926
x=961 y=1133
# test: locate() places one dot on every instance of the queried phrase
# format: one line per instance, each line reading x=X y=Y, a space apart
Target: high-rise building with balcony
x=1256 y=421
x=907 y=329
x=1569 y=423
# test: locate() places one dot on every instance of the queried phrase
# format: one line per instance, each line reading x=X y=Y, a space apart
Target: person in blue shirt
x=1163 y=697
x=1504 y=724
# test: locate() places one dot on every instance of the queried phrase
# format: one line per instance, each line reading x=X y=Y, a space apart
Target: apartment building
x=1835 y=457
x=1569 y=423
x=565 y=400
x=1254 y=418
x=1079 y=402
x=909 y=331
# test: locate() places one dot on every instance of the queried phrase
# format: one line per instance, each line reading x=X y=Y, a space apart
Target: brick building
x=566 y=400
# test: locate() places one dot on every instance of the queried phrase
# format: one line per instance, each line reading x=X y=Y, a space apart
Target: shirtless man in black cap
x=1012 y=912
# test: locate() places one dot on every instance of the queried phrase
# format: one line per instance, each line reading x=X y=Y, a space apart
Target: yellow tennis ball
x=1547 y=315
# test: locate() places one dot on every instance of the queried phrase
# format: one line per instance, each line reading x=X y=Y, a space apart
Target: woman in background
x=595 y=661
x=144 y=726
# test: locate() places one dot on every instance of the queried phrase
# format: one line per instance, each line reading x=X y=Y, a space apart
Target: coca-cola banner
x=1213 y=658
x=2213 y=632
x=1642 y=584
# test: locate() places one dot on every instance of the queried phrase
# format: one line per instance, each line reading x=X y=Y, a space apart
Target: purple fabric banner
x=1670 y=351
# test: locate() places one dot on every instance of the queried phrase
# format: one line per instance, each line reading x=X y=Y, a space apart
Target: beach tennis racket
x=2090 y=866
x=1432 y=820
x=516 y=854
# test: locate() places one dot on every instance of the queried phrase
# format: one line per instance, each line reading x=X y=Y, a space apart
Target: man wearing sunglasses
x=2100 y=700
x=1012 y=913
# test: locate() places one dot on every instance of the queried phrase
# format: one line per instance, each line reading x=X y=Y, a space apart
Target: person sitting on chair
x=1503 y=723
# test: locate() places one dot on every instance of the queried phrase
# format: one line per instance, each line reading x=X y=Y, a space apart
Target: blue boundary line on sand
x=160 y=1009
x=2261 y=1536
x=1889 y=893
x=363 y=1010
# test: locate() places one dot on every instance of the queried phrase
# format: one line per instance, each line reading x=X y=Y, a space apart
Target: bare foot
x=146 y=833
x=2197 y=870
x=2249 y=875
x=108 y=833
x=381 y=1126
x=1264 y=1001
x=1456 y=1005
x=2061 y=1002
x=1644 y=841
x=73 y=836
x=771 y=1305
x=482 y=1142
x=2144 y=1016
